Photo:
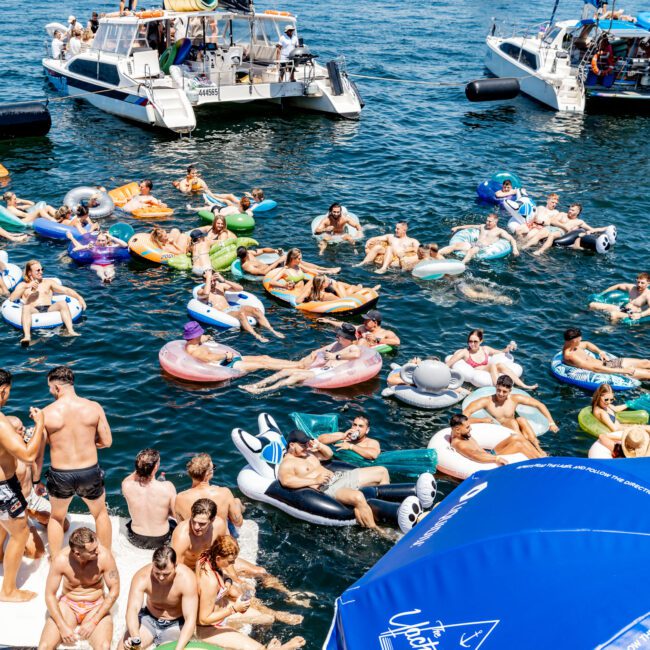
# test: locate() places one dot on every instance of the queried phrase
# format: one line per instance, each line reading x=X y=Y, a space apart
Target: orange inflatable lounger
x=123 y=194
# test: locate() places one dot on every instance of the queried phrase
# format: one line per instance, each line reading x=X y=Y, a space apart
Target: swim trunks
x=87 y=483
x=146 y=542
x=162 y=630
x=339 y=480
x=615 y=362
x=81 y=608
x=38 y=504
x=12 y=502
x=41 y=309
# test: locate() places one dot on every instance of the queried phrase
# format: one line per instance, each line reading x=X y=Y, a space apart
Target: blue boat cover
x=549 y=553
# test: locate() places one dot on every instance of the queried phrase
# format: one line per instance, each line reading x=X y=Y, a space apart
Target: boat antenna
x=552 y=18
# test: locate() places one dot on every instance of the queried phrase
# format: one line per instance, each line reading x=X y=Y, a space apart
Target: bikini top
x=478 y=364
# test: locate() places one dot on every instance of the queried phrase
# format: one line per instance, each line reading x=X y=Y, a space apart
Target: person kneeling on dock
x=82 y=611
x=169 y=614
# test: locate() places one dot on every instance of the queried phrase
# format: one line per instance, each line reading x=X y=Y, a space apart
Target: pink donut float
x=177 y=362
x=349 y=373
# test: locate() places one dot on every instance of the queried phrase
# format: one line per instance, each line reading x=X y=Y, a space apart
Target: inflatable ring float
x=205 y=313
x=337 y=239
x=480 y=378
x=587 y=379
x=12 y=313
x=497 y=250
x=263 y=206
x=594 y=427
x=436 y=269
x=221 y=255
x=619 y=298
x=11 y=222
x=123 y=194
x=355 y=371
x=239 y=274
x=53 y=230
x=12 y=274
x=175 y=361
x=82 y=195
x=102 y=255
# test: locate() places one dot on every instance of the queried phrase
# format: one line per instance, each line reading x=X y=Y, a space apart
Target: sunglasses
x=609 y=399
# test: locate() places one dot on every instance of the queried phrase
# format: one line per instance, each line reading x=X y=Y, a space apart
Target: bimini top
x=548 y=553
x=619 y=28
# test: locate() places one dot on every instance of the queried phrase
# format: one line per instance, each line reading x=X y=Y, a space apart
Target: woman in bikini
x=218 y=231
x=226 y=602
x=294 y=274
x=478 y=356
x=174 y=241
x=604 y=410
x=324 y=289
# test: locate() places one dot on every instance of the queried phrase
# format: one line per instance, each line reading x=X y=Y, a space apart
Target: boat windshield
x=114 y=37
x=551 y=36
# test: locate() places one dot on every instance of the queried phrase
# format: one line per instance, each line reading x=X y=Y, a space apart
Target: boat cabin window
x=241 y=32
x=266 y=32
x=106 y=72
x=115 y=38
x=551 y=36
x=523 y=56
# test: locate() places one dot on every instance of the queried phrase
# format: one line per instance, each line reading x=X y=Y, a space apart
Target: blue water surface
x=417 y=153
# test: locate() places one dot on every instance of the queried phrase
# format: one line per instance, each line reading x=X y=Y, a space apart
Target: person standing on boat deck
x=57 y=45
x=73 y=23
x=172 y=603
x=13 y=504
x=76 y=428
x=150 y=503
x=288 y=43
x=128 y=5
x=74 y=44
x=93 y=23
x=83 y=610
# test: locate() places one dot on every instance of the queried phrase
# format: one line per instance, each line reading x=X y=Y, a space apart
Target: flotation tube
x=595 y=63
x=81 y=196
x=150 y=13
x=480 y=378
x=487 y=190
x=405 y=462
x=239 y=274
x=10 y=221
x=487 y=436
x=24 y=120
x=201 y=311
x=263 y=206
x=178 y=363
x=436 y=269
x=4 y=172
x=500 y=248
x=588 y=380
x=238 y=222
x=594 y=427
x=102 y=255
x=598 y=243
x=12 y=274
x=53 y=230
x=121 y=230
x=337 y=239
x=12 y=313
x=536 y=419
x=430 y=385
x=123 y=194
x=354 y=303
x=221 y=254
x=142 y=245
x=520 y=210
x=619 y=298
x=258 y=481
x=184 y=47
x=356 y=371
x=598 y=450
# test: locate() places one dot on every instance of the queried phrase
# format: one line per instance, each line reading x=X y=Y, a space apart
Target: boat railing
x=507 y=28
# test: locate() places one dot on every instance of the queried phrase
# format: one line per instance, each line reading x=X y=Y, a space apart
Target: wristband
x=36 y=480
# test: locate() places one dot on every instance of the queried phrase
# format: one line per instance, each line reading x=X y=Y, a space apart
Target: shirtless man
x=334 y=223
x=144 y=198
x=568 y=222
x=371 y=333
x=83 y=610
x=76 y=428
x=174 y=241
x=172 y=602
x=150 y=503
x=251 y=265
x=13 y=504
x=213 y=292
x=342 y=350
x=398 y=249
x=197 y=534
x=198 y=346
x=26 y=210
x=201 y=471
x=464 y=444
x=36 y=294
x=574 y=354
x=489 y=233
x=502 y=407
x=638 y=305
x=355 y=439
x=537 y=230
x=192 y=183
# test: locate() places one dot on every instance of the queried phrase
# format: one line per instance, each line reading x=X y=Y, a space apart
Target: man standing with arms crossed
x=13 y=505
x=75 y=429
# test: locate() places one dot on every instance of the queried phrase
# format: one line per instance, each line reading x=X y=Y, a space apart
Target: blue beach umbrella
x=551 y=553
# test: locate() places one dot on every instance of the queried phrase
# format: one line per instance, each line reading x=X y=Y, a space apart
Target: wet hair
x=242 y=253
x=244 y=203
x=155 y=235
x=402 y=223
x=334 y=205
x=478 y=332
x=61 y=375
x=63 y=212
x=292 y=253
x=494 y=216
x=82 y=536
x=57 y=32
x=643 y=276
x=577 y=205
x=258 y=194
x=572 y=333
x=5 y=378
x=506 y=182
x=603 y=389
x=223 y=546
x=204 y=507
x=434 y=247
x=198 y=466
x=27 y=274
x=505 y=381
x=190 y=169
x=163 y=556
x=147 y=183
x=457 y=419
x=319 y=284
x=145 y=462
x=82 y=211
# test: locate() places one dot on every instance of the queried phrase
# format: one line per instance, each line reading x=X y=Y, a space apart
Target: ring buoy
x=167 y=58
x=595 y=68
x=104 y=204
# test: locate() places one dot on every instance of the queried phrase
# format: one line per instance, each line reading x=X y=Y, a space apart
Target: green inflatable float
x=222 y=255
x=235 y=222
x=406 y=462
x=594 y=427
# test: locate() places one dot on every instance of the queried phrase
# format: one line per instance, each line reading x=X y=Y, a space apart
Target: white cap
x=288 y=27
x=72 y=19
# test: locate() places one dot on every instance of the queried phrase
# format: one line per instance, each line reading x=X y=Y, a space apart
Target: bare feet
x=296 y=642
x=287 y=618
x=19 y=596
x=261 y=339
x=380 y=271
x=531 y=387
x=278 y=334
x=73 y=333
x=251 y=388
x=377 y=287
x=25 y=342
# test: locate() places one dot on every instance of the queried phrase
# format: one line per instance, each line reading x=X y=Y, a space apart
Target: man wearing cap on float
x=371 y=333
x=344 y=349
x=288 y=43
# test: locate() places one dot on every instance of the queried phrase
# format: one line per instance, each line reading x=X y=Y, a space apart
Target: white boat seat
x=144 y=63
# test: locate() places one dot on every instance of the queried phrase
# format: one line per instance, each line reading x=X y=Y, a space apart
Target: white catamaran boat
x=589 y=65
x=157 y=66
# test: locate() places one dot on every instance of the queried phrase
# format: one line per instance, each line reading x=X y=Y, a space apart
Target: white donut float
x=480 y=378
x=177 y=362
x=204 y=313
x=12 y=313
